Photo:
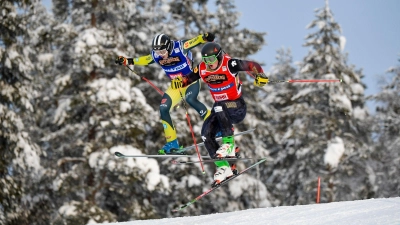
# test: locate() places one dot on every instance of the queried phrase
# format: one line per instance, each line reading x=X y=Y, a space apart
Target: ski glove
x=177 y=83
x=260 y=80
x=208 y=37
x=120 y=60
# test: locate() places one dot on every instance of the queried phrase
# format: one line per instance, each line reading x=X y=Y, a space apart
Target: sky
x=371 y=29
x=384 y=211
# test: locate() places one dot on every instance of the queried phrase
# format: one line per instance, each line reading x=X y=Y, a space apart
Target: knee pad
x=165 y=107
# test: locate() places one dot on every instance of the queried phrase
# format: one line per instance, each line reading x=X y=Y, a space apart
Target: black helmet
x=161 y=42
x=210 y=52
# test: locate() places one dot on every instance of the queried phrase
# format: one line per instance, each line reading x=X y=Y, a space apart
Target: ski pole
x=151 y=84
x=303 y=81
x=148 y=81
x=191 y=130
x=294 y=81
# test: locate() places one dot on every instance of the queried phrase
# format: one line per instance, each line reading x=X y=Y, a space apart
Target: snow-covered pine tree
x=327 y=131
x=278 y=97
x=94 y=110
x=239 y=43
x=20 y=165
x=387 y=120
x=265 y=110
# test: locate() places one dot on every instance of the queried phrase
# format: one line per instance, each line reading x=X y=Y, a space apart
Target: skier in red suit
x=221 y=73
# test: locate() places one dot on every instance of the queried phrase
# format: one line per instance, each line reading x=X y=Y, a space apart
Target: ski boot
x=170 y=148
x=222 y=173
x=227 y=149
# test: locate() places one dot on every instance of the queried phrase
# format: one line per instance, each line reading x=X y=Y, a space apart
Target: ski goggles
x=210 y=59
x=161 y=52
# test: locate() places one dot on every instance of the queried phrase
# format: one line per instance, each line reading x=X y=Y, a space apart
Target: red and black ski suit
x=226 y=89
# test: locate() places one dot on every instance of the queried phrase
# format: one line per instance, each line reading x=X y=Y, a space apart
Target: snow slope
x=372 y=211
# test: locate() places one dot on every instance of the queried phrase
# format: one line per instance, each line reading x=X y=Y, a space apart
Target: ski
x=219 y=138
x=209 y=160
x=120 y=155
x=216 y=187
x=179 y=151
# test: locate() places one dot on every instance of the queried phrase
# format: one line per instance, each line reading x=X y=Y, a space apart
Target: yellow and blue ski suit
x=178 y=63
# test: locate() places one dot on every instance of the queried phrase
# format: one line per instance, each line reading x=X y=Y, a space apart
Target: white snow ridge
x=373 y=211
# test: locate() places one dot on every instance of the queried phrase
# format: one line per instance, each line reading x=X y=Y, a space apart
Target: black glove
x=120 y=60
x=177 y=83
x=208 y=36
x=260 y=80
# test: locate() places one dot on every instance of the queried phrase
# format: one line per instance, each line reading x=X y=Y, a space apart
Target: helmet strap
x=170 y=47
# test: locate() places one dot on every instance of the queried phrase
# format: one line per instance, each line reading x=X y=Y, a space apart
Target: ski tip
x=119 y=154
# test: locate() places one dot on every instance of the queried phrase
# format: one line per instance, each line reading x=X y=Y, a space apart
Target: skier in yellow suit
x=175 y=58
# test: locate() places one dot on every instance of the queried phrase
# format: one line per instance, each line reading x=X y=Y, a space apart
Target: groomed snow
x=372 y=211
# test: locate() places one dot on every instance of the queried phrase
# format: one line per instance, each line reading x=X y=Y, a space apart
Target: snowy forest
x=65 y=108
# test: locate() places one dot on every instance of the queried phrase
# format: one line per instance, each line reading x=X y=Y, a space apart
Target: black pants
x=223 y=115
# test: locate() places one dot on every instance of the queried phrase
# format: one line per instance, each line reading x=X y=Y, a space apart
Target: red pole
x=154 y=86
x=312 y=81
x=318 y=189
x=191 y=130
x=148 y=81
x=292 y=81
x=195 y=144
x=303 y=81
